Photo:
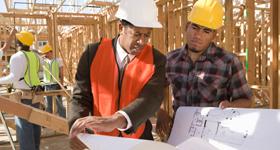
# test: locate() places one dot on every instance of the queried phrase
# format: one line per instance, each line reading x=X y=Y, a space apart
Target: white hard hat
x=141 y=13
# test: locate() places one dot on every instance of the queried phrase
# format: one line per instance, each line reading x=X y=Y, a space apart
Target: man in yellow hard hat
x=53 y=73
x=24 y=68
x=201 y=73
x=121 y=81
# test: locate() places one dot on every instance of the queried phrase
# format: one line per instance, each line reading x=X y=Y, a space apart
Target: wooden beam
x=264 y=49
x=23 y=15
x=58 y=7
x=250 y=37
x=162 y=2
x=278 y=46
x=10 y=124
x=34 y=115
x=170 y=26
x=100 y=3
x=184 y=19
x=75 y=21
x=54 y=93
x=50 y=30
x=17 y=10
x=62 y=14
x=274 y=70
x=54 y=34
x=44 y=5
x=262 y=1
x=25 y=24
x=229 y=25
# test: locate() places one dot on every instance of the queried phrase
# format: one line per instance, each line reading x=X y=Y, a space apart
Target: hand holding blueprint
x=205 y=128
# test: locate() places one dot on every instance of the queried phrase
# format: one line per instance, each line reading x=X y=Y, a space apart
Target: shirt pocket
x=215 y=81
x=209 y=86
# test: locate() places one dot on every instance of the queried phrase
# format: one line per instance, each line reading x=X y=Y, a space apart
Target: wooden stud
x=228 y=25
x=275 y=39
x=250 y=37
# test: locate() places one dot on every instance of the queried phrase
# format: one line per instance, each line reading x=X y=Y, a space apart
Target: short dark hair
x=22 y=46
x=126 y=23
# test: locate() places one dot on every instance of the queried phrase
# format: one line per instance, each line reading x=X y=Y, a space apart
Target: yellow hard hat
x=207 y=13
x=25 y=38
x=45 y=49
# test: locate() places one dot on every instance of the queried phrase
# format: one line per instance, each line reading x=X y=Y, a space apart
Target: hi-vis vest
x=52 y=67
x=108 y=96
x=31 y=76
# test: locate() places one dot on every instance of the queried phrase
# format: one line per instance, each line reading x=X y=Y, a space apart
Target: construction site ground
x=50 y=140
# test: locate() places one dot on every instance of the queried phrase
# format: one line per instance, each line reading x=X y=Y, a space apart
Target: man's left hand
x=225 y=104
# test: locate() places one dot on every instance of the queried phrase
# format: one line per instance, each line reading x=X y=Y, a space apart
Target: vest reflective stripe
x=53 y=67
x=31 y=76
x=104 y=72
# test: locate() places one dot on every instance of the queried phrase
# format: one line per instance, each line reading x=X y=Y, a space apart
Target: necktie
x=124 y=62
x=123 y=65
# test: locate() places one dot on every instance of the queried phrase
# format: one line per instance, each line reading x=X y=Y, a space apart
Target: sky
x=2 y=6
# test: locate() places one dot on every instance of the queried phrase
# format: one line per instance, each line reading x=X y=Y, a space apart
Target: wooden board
x=34 y=115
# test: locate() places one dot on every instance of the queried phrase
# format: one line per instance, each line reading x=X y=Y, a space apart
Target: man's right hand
x=98 y=124
x=164 y=124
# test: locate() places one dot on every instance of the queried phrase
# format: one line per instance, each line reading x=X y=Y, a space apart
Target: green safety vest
x=52 y=67
x=31 y=76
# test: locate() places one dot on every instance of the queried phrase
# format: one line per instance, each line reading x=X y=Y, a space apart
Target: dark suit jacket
x=139 y=111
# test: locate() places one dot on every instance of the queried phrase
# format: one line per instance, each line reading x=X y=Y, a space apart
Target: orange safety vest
x=104 y=74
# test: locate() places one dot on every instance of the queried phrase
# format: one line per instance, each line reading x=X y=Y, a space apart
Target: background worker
x=8 y=42
x=24 y=68
x=121 y=81
x=201 y=73
x=54 y=68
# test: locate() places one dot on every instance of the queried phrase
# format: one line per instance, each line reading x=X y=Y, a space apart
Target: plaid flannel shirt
x=217 y=75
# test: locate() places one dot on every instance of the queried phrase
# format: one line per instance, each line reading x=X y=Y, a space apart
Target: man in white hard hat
x=121 y=81
x=201 y=73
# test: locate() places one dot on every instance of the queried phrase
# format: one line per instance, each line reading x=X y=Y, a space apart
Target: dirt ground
x=59 y=142
x=50 y=140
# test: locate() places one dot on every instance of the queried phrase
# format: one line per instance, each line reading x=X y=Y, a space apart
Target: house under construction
x=251 y=31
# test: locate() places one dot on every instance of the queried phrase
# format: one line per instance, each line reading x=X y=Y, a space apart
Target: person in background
x=53 y=73
x=201 y=73
x=24 y=68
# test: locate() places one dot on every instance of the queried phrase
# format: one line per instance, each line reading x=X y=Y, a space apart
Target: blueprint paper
x=206 y=128
x=230 y=129
x=98 y=142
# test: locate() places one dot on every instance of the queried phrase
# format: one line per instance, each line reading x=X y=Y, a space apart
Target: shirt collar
x=209 y=54
x=122 y=53
x=183 y=52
